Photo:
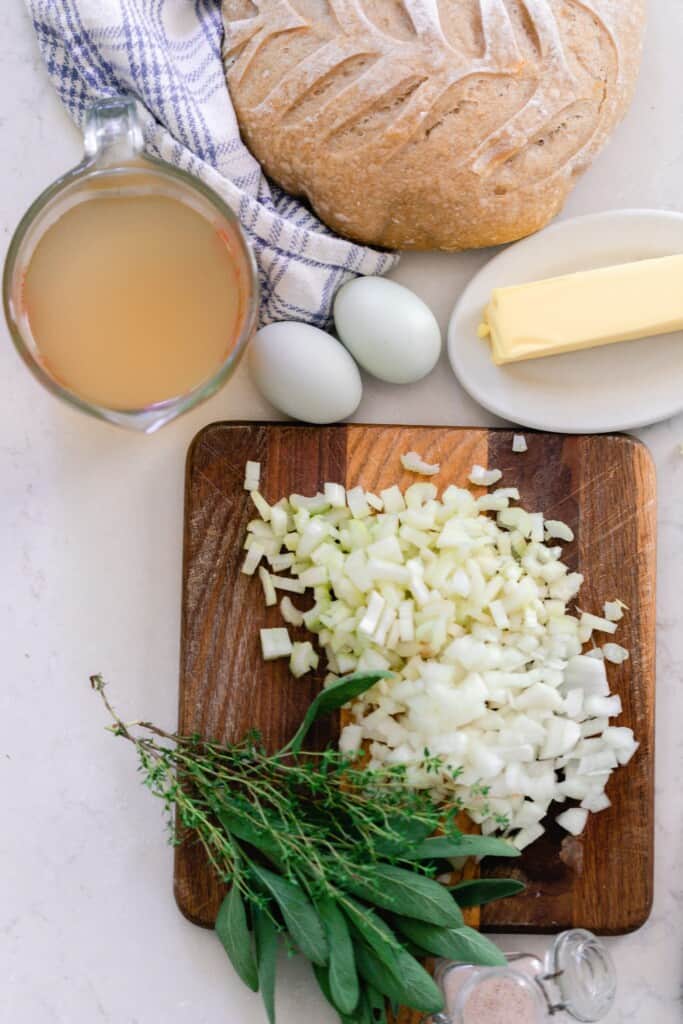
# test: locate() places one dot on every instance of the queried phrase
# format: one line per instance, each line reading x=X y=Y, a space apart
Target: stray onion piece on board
x=414 y=464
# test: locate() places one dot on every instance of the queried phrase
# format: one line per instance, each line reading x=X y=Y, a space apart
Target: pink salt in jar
x=576 y=980
x=491 y=995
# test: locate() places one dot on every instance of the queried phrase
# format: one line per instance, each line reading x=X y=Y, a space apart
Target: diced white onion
x=278 y=521
x=573 y=703
x=368 y=624
x=519 y=443
x=554 y=528
x=606 y=706
x=268 y=588
x=285 y=583
x=262 y=506
x=252 y=476
x=597 y=624
x=335 y=494
x=587 y=674
x=275 y=643
x=615 y=653
x=252 y=559
x=470 y=613
x=536 y=527
x=350 y=739
x=387 y=619
x=314 y=576
x=593 y=726
x=613 y=610
x=624 y=754
x=279 y=563
x=618 y=737
x=562 y=735
x=499 y=614
x=573 y=821
x=290 y=613
x=484 y=477
x=597 y=800
x=302 y=659
x=526 y=836
x=595 y=764
x=357 y=502
x=415 y=464
x=392 y=499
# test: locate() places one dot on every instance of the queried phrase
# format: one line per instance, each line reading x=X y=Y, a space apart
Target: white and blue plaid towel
x=167 y=53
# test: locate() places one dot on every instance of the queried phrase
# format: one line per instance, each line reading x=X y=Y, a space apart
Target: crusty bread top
x=430 y=124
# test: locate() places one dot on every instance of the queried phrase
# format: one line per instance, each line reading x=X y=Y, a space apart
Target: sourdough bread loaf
x=420 y=124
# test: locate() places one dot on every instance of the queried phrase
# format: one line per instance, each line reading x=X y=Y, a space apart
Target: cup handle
x=112 y=132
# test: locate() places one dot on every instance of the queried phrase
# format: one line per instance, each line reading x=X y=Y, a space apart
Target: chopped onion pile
x=465 y=600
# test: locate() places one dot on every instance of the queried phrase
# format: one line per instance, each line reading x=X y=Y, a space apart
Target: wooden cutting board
x=603 y=486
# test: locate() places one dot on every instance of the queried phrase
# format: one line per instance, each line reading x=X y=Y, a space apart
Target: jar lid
x=583 y=971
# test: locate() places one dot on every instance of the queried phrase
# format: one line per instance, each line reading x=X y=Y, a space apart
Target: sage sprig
x=326 y=854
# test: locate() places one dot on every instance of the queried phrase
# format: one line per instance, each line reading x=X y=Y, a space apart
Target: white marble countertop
x=90 y=547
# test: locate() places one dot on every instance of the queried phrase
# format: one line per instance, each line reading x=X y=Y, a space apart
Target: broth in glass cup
x=130 y=289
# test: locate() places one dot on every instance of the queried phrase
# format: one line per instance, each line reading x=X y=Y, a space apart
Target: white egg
x=387 y=329
x=304 y=372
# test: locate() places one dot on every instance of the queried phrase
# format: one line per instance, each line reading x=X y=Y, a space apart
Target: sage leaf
x=427 y=996
x=265 y=934
x=477 y=891
x=416 y=986
x=233 y=931
x=416 y=951
x=374 y=972
x=374 y=932
x=407 y=985
x=301 y=917
x=475 y=948
x=335 y=696
x=461 y=943
x=376 y=1004
x=361 y=1014
x=408 y=893
x=439 y=847
x=408 y=833
x=342 y=974
x=322 y=977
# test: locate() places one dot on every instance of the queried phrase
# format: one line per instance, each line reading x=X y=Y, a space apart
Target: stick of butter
x=594 y=307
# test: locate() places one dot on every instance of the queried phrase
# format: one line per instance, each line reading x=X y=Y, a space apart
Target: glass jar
x=576 y=977
x=115 y=164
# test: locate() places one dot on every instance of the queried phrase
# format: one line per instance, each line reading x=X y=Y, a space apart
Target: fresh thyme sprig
x=332 y=855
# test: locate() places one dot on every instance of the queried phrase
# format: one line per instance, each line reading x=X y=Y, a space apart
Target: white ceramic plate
x=616 y=387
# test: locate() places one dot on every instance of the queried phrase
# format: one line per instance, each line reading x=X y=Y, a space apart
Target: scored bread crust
x=430 y=124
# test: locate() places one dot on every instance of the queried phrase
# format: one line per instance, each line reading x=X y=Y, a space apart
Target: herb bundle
x=336 y=859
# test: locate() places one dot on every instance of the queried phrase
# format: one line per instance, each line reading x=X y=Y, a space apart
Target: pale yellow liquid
x=133 y=299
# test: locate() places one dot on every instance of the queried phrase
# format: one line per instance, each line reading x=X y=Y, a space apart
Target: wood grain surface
x=603 y=486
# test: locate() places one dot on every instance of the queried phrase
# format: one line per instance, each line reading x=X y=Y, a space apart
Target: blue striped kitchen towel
x=167 y=53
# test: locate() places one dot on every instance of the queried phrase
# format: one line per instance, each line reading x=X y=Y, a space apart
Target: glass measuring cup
x=576 y=979
x=114 y=165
